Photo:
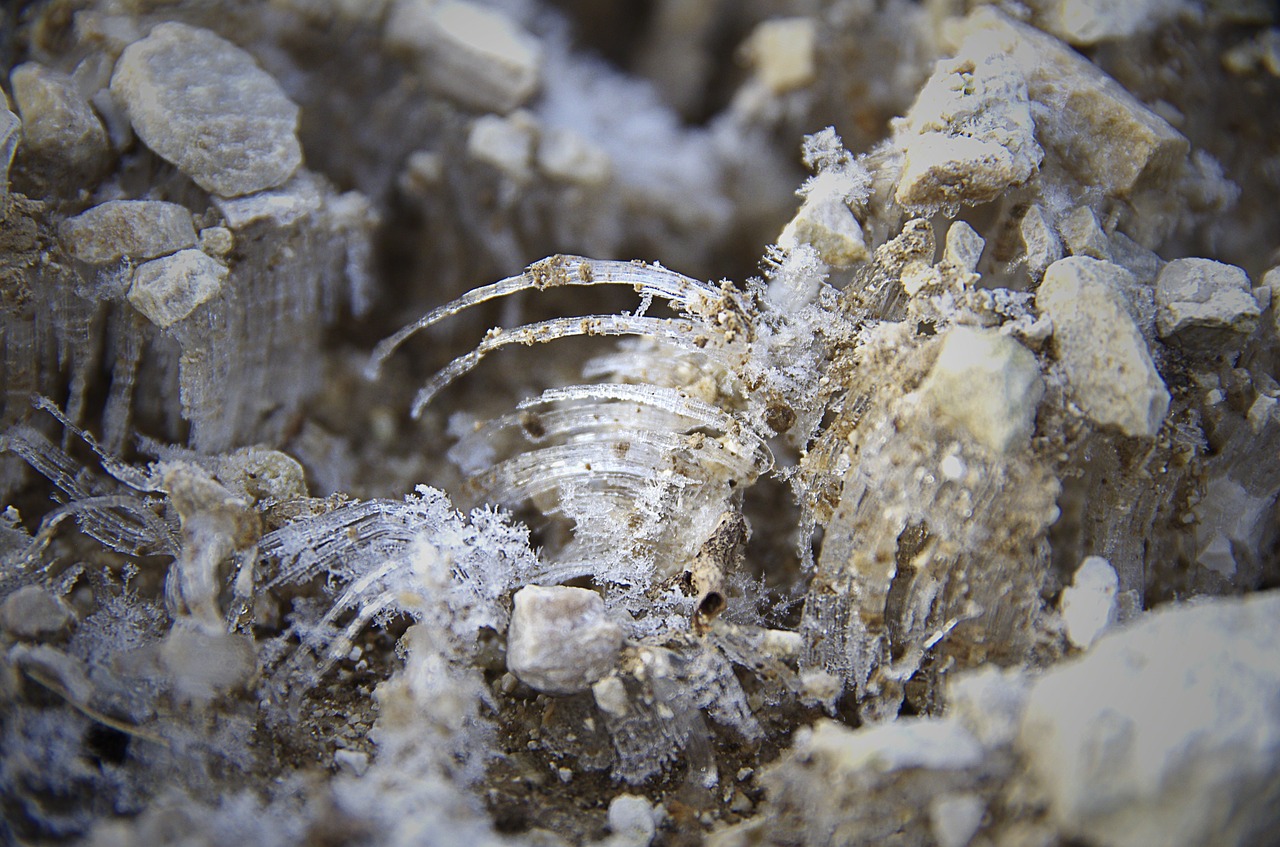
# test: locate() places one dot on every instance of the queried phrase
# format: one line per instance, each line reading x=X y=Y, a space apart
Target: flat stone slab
x=203 y=104
x=137 y=229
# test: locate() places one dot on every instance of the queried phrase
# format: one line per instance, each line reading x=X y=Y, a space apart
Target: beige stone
x=169 y=289
x=59 y=128
x=1103 y=354
x=136 y=229
x=1205 y=306
x=782 y=53
x=561 y=640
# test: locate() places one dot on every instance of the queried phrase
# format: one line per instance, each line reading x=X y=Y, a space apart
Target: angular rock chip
x=989 y=384
x=1097 y=129
x=203 y=104
x=476 y=56
x=1105 y=358
x=137 y=229
x=1040 y=241
x=826 y=223
x=969 y=135
x=167 y=290
x=1089 y=605
x=33 y=612
x=59 y=128
x=561 y=640
x=1205 y=305
x=1168 y=731
x=10 y=135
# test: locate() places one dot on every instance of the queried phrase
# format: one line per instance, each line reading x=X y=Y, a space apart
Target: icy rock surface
x=1104 y=356
x=561 y=639
x=203 y=104
x=1166 y=732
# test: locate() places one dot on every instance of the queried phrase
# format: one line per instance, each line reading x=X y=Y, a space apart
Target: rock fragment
x=1089 y=605
x=1166 y=732
x=60 y=130
x=35 y=613
x=1205 y=306
x=560 y=640
x=202 y=664
x=969 y=135
x=1099 y=131
x=136 y=229
x=1086 y=22
x=1083 y=234
x=826 y=223
x=166 y=290
x=1041 y=243
x=1101 y=349
x=203 y=104
x=989 y=384
x=10 y=135
x=782 y=53
x=964 y=247
x=630 y=822
x=472 y=54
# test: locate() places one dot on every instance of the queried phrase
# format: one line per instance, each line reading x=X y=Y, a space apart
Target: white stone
x=955 y=818
x=472 y=54
x=826 y=223
x=969 y=135
x=630 y=821
x=169 y=289
x=137 y=229
x=34 y=612
x=782 y=52
x=989 y=384
x=561 y=640
x=1089 y=605
x=354 y=762
x=1107 y=364
x=964 y=247
x=1202 y=304
x=1167 y=732
x=203 y=665
x=279 y=207
x=202 y=103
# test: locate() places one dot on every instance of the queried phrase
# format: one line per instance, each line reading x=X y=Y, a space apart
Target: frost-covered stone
x=989 y=384
x=35 y=613
x=1105 y=358
x=1167 y=732
x=970 y=134
x=1089 y=605
x=826 y=223
x=59 y=128
x=137 y=229
x=166 y=290
x=561 y=640
x=782 y=52
x=202 y=103
x=1205 y=305
x=475 y=55
x=1099 y=131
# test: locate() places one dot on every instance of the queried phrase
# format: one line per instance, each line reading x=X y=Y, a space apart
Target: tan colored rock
x=1100 y=132
x=1083 y=235
x=505 y=143
x=964 y=247
x=825 y=222
x=1106 y=360
x=1205 y=306
x=969 y=135
x=169 y=289
x=782 y=52
x=989 y=384
x=60 y=130
x=136 y=229
x=202 y=103
x=1042 y=245
x=1086 y=22
x=475 y=55
x=561 y=640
